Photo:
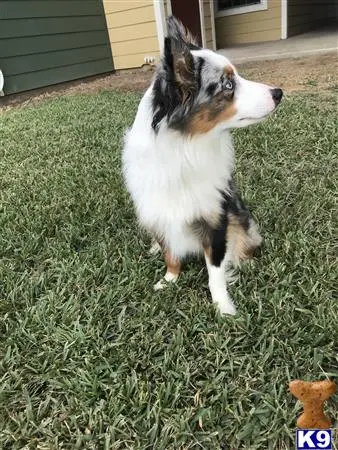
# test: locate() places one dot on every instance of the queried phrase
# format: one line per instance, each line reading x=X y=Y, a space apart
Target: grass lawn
x=91 y=357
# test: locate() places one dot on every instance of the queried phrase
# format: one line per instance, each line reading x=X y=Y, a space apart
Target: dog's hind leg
x=173 y=270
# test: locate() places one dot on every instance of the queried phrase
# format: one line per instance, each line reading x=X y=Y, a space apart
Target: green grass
x=91 y=357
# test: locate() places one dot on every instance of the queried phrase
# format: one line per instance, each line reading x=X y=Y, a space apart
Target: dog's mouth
x=257 y=119
x=253 y=119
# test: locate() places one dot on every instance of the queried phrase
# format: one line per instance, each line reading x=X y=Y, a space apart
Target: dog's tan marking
x=209 y=116
x=213 y=219
x=242 y=243
x=184 y=75
x=208 y=251
x=228 y=71
x=173 y=269
x=173 y=264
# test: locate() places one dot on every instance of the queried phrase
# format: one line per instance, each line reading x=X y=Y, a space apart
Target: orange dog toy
x=313 y=395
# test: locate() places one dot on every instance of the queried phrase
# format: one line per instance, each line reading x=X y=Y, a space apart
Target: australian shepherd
x=178 y=160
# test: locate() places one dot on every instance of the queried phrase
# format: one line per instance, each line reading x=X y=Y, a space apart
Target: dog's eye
x=227 y=84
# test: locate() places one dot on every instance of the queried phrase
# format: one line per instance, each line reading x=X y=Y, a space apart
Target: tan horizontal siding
x=144 y=46
x=208 y=24
x=299 y=20
x=130 y=17
x=132 y=32
x=253 y=27
x=299 y=29
x=250 y=27
x=113 y=6
x=259 y=36
x=303 y=15
x=131 y=61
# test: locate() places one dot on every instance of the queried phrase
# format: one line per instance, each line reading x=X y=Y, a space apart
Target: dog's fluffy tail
x=241 y=242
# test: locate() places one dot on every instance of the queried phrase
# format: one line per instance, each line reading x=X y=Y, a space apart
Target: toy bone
x=313 y=395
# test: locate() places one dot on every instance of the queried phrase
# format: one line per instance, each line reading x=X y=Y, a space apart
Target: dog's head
x=197 y=90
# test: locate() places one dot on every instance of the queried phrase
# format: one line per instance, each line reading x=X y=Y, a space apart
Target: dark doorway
x=188 y=12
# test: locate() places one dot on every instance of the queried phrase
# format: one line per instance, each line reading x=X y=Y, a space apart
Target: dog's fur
x=178 y=159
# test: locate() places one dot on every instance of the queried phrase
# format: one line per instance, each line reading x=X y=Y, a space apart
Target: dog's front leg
x=173 y=270
x=217 y=264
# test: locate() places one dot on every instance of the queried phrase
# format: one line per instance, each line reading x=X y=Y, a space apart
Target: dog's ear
x=180 y=63
x=178 y=32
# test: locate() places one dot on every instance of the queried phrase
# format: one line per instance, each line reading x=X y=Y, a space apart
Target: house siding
x=249 y=27
x=132 y=32
x=49 y=42
x=208 y=24
x=304 y=15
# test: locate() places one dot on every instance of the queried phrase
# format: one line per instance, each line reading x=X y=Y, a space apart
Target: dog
x=178 y=160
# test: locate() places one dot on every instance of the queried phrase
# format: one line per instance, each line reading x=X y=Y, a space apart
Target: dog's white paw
x=162 y=284
x=226 y=307
x=155 y=248
x=223 y=302
x=168 y=278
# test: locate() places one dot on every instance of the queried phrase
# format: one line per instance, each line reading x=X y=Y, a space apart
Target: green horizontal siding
x=34 y=44
x=45 y=8
x=42 y=61
x=48 y=25
x=34 y=80
x=48 y=42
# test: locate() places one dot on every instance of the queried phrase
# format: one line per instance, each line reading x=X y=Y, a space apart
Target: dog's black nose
x=277 y=95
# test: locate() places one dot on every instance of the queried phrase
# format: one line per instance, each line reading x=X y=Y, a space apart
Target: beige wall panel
x=301 y=10
x=260 y=36
x=299 y=29
x=130 y=17
x=138 y=31
x=299 y=20
x=304 y=15
x=144 y=46
x=132 y=31
x=112 y=6
x=130 y=61
x=250 y=17
x=250 y=27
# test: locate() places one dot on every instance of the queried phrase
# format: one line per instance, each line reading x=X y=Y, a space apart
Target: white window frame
x=262 y=6
x=202 y=24
x=161 y=25
x=284 y=19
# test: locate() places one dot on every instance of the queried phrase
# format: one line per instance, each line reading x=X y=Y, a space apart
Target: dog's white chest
x=175 y=181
